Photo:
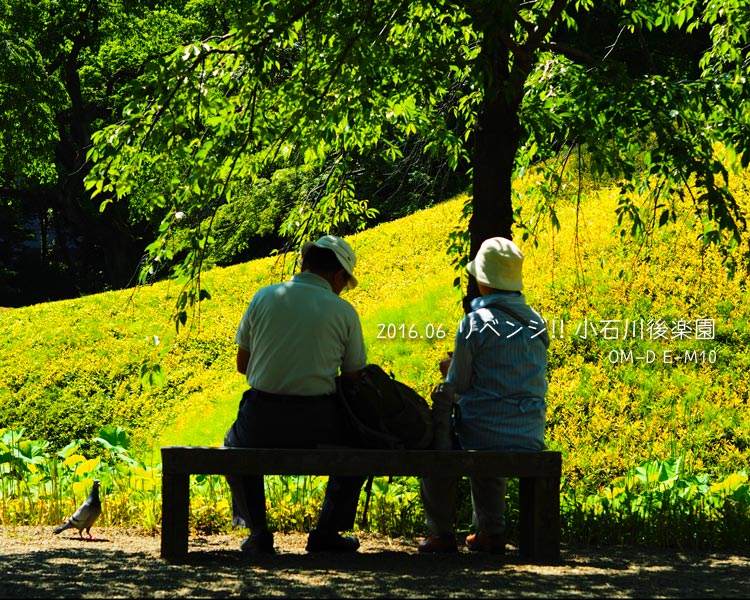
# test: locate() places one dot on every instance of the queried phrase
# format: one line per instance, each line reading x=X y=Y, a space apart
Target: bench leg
x=539 y=517
x=175 y=511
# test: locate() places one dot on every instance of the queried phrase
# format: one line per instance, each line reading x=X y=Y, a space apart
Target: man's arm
x=243 y=360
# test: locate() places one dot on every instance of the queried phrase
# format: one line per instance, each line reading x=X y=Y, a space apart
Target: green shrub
x=70 y=368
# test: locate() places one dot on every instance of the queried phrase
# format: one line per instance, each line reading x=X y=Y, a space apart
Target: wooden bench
x=538 y=473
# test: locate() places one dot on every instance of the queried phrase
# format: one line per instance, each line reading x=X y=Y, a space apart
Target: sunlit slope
x=405 y=285
x=635 y=372
x=70 y=367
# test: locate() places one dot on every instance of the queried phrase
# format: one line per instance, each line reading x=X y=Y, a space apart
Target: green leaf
x=114 y=437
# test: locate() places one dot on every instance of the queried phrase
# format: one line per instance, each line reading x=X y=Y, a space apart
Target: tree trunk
x=496 y=138
x=110 y=250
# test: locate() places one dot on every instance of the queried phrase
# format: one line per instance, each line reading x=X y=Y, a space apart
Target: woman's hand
x=445 y=364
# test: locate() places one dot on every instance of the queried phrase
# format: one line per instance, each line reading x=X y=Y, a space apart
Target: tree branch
x=573 y=53
x=536 y=37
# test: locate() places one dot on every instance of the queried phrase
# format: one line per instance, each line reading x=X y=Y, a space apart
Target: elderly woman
x=498 y=368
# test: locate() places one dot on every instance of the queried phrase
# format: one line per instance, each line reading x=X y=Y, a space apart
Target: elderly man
x=294 y=340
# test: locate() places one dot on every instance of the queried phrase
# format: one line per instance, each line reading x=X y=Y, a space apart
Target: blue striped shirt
x=499 y=369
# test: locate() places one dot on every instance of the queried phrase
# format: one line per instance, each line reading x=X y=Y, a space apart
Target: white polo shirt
x=299 y=335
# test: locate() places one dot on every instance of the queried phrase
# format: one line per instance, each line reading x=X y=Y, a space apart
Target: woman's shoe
x=485 y=542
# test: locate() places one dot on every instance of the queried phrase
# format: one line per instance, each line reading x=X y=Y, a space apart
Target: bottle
x=443 y=398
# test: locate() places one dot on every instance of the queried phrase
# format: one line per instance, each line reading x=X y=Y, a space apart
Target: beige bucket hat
x=343 y=252
x=498 y=264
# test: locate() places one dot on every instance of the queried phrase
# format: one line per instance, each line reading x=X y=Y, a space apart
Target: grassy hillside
x=67 y=368
x=620 y=314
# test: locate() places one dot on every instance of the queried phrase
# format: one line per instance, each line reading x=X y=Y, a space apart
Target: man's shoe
x=484 y=542
x=438 y=543
x=331 y=541
x=258 y=543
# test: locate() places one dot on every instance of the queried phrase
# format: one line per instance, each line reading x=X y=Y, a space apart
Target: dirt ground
x=126 y=564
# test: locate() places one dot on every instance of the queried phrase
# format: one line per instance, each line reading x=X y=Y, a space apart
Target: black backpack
x=385 y=413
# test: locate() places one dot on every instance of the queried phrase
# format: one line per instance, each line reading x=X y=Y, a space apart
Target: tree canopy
x=643 y=90
x=62 y=69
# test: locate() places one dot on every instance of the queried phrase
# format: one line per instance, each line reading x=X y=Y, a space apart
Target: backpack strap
x=368 y=494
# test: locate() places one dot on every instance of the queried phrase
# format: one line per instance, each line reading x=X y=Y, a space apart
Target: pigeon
x=87 y=513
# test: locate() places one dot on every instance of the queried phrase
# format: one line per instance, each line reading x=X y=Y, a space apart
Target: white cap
x=498 y=264
x=343 y=252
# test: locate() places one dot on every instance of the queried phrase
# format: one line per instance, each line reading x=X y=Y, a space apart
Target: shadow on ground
x=217 y=571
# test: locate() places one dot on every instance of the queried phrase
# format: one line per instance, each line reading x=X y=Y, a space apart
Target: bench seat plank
x=351 y=461
x=538 y=473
